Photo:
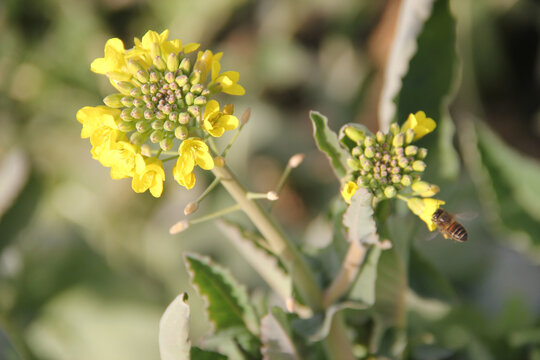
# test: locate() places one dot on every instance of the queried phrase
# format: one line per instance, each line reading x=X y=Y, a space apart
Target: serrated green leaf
x=358 y=219
x=363 y=288
x=174 y=340
x=227 y=301
x=428 y=82
x=265 y=263
x=327 y=141
x=201 y=354
x=276 y=336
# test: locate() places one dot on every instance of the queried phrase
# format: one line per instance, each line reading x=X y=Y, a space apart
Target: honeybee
x=448 y=226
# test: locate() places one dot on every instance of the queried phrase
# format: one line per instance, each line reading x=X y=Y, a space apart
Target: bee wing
x=466 y=216
x=432 y=235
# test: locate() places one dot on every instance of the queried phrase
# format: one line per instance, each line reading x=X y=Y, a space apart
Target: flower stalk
x=337 y=345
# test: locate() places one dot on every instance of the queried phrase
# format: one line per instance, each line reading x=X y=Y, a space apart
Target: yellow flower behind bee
x=421 y=124
x=216 y=122
x=424 y=208
x=149 y=175
x=193 y=152
x=348 y=191
x=424 y=189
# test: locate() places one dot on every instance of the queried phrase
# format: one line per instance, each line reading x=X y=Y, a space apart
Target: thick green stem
x=337 y=343
x=301 y=274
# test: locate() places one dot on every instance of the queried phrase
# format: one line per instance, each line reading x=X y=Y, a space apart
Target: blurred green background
x=87 y=266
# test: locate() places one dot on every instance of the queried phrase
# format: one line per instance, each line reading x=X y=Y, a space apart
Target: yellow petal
x=424 y=209
x=421 y=124
x=348 y=191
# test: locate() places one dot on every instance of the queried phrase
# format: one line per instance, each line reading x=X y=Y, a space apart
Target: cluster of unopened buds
x=388 y=165
x=164 y=102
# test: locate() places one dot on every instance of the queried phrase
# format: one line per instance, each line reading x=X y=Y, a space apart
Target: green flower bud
x=142 y=126
x=409 y=136
x=403 y=162
x=185 y=66
x=406 y=180
x=125 y=126
x=369 y=152
x=183 y=118
x=181 y=80
x=142 y=76
x=124 y=86
x=197 y=89
x=353 y=164
x=422 y=153
x=138 y=102
x=114 y=101
x=169 y=125
x=173 y=116
x=200 y=100
x=154 y=77
x=419 y=165
x=161 y=115
x=411 y=150
x=126 y=115
x=137 y=138
x=157 y=124
x=172 y=62
x=194 y=110
x=195 y=77
x=156 y=136
x=369 y=141
x=189 y=98
x=354 y=134
x=148 y=114
x=398 y=140
x=169 y=77
x=380 y=137
x=134 y=67
x=396 y=179
x=394 y=129
x=181 y=132
x=166 y=144
x=136 y=92
x=366 y=164
x=390 y=191
x=159 y=63
x=357 y=151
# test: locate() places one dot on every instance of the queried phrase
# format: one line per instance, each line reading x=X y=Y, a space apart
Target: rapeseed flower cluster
x=389 y=165
x=163 y=103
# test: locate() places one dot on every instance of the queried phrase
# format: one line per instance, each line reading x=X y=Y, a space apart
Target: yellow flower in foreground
x=149 y=174
x=193 y=152
x=114 y=59
x=227 y=83
x=94 y=118
x=122 y=160
x=424 y=208
x=348 y=191
x=424 y=189
x=421 y=124
x=217 y=122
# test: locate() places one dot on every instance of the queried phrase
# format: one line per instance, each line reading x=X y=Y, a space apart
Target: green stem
x=337 y=343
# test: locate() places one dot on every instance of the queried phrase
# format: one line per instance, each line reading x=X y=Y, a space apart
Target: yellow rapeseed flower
x=348 y=191
x=216 y=122
x=424 y=208
x=149 y=175
x=163 y=101
x=192 y=152
x=421 y=124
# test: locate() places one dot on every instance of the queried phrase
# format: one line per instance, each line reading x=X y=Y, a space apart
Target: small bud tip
x=191 y=208
x=245 y=116
x=272 y=196
x=296 y=160
x=178 y=227
x=219 y=161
